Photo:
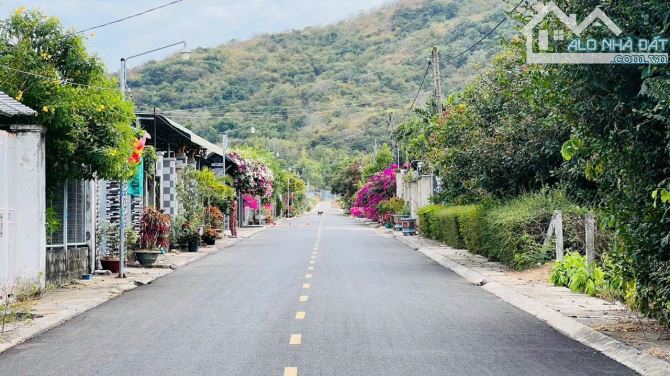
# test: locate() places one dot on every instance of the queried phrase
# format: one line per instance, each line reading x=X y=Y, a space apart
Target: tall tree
x=89 y=124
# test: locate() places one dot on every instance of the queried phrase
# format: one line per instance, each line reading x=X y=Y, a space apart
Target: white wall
x=417 y=194
x=23 y=247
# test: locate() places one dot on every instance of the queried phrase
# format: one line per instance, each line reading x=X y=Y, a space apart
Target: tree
x=47 y=68
x=377 y=162
x=620 y=142
x=346 y=180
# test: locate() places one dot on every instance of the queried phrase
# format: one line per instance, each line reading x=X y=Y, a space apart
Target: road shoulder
x=572 y=314
x=62 y=304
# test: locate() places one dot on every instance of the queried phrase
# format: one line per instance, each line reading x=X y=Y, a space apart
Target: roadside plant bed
x=511 y=232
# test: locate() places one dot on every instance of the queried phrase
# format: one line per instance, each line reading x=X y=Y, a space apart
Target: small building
x=176 y=147
x=22 y=196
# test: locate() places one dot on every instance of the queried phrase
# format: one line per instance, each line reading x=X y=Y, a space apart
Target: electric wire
x=125 y=18
x=456 y=56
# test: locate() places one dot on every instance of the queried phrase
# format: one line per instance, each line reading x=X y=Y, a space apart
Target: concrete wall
x=417 y=193
x=64 y=266
x=23 y=242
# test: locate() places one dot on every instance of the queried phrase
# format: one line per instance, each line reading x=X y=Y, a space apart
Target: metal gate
x=8 y=249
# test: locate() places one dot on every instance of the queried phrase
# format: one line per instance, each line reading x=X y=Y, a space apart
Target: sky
x=201 y=23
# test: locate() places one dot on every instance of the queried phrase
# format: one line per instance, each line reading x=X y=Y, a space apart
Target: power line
x=409 y=110
x=56 y=79
x=359 y=76
x=450 y=58
x=423 y=81
x=278 y=113
x=234 y=103
x=126 y=18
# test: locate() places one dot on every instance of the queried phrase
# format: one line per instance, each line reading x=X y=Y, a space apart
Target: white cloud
x=202 y=23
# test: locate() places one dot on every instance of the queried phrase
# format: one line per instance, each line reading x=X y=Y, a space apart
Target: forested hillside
x=305 y=92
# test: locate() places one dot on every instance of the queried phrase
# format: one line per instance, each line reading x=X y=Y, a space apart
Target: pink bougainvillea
x=381 y=186
x=250 y=202
x=252 y=177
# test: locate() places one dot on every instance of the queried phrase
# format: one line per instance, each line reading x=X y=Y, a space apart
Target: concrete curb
x=629 y=356
x=61 y=318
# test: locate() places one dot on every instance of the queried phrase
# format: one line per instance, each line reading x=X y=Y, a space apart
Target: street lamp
x=122 y=74
x=122 y=188
x=288 y=195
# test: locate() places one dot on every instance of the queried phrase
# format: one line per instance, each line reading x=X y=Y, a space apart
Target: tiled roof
x=11 y=107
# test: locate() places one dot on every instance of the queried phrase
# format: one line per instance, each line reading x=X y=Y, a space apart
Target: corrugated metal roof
x=195 y=138
x=11 y=107
x=210 y=147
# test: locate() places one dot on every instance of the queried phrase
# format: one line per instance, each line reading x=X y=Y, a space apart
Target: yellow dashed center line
x=312 y=261
x=306 y=285
x=291 y=371
x=310 y=268
x=296 y=339
x=303 y=298
x=300 y=315
x=308 y=276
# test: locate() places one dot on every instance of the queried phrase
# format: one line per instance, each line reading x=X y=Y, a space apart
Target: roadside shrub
x=571 y=272
x=426 y=217
x=515 y=230
x=511 y=232
x=457 y=226
x=471 y=227
x=446 y=226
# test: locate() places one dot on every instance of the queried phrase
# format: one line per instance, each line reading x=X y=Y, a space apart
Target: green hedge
x=457 y=226
x=511 y=232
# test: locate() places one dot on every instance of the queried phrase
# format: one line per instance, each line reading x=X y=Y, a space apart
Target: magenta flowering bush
x=380 y=187
x=252 y=178
x=250 y=202
x=357 y=212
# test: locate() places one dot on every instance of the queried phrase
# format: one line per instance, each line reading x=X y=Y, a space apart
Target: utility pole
x=224 y=146
x=437 y=81
x=122 y=190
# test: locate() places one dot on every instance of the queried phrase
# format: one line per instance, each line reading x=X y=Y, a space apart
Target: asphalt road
x=373 y=307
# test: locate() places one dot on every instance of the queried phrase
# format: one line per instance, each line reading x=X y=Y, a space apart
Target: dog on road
x=320 y=212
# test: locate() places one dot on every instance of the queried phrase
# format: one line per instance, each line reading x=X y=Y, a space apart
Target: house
x=176 y=147
x=22 y=196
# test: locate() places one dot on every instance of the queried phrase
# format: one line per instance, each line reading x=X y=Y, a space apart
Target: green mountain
x=322 y=92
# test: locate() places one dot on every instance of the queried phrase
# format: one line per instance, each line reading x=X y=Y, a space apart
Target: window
x=74 y=226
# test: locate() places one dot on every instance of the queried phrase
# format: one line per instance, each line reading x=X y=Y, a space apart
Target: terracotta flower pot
x=110 y=264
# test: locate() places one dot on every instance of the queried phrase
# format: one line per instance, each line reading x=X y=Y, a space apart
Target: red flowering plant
x=380 y=187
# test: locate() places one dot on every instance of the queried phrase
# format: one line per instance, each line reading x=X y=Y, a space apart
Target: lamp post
x=288 y=195
x=122 y=188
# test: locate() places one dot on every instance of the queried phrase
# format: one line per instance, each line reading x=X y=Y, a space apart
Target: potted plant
x=132 y=243
x=154 y=235
x=106 y=239
x=389 y=210
x=210 y=235
x=190 y=195
x=215 y=221
x=190 y=235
